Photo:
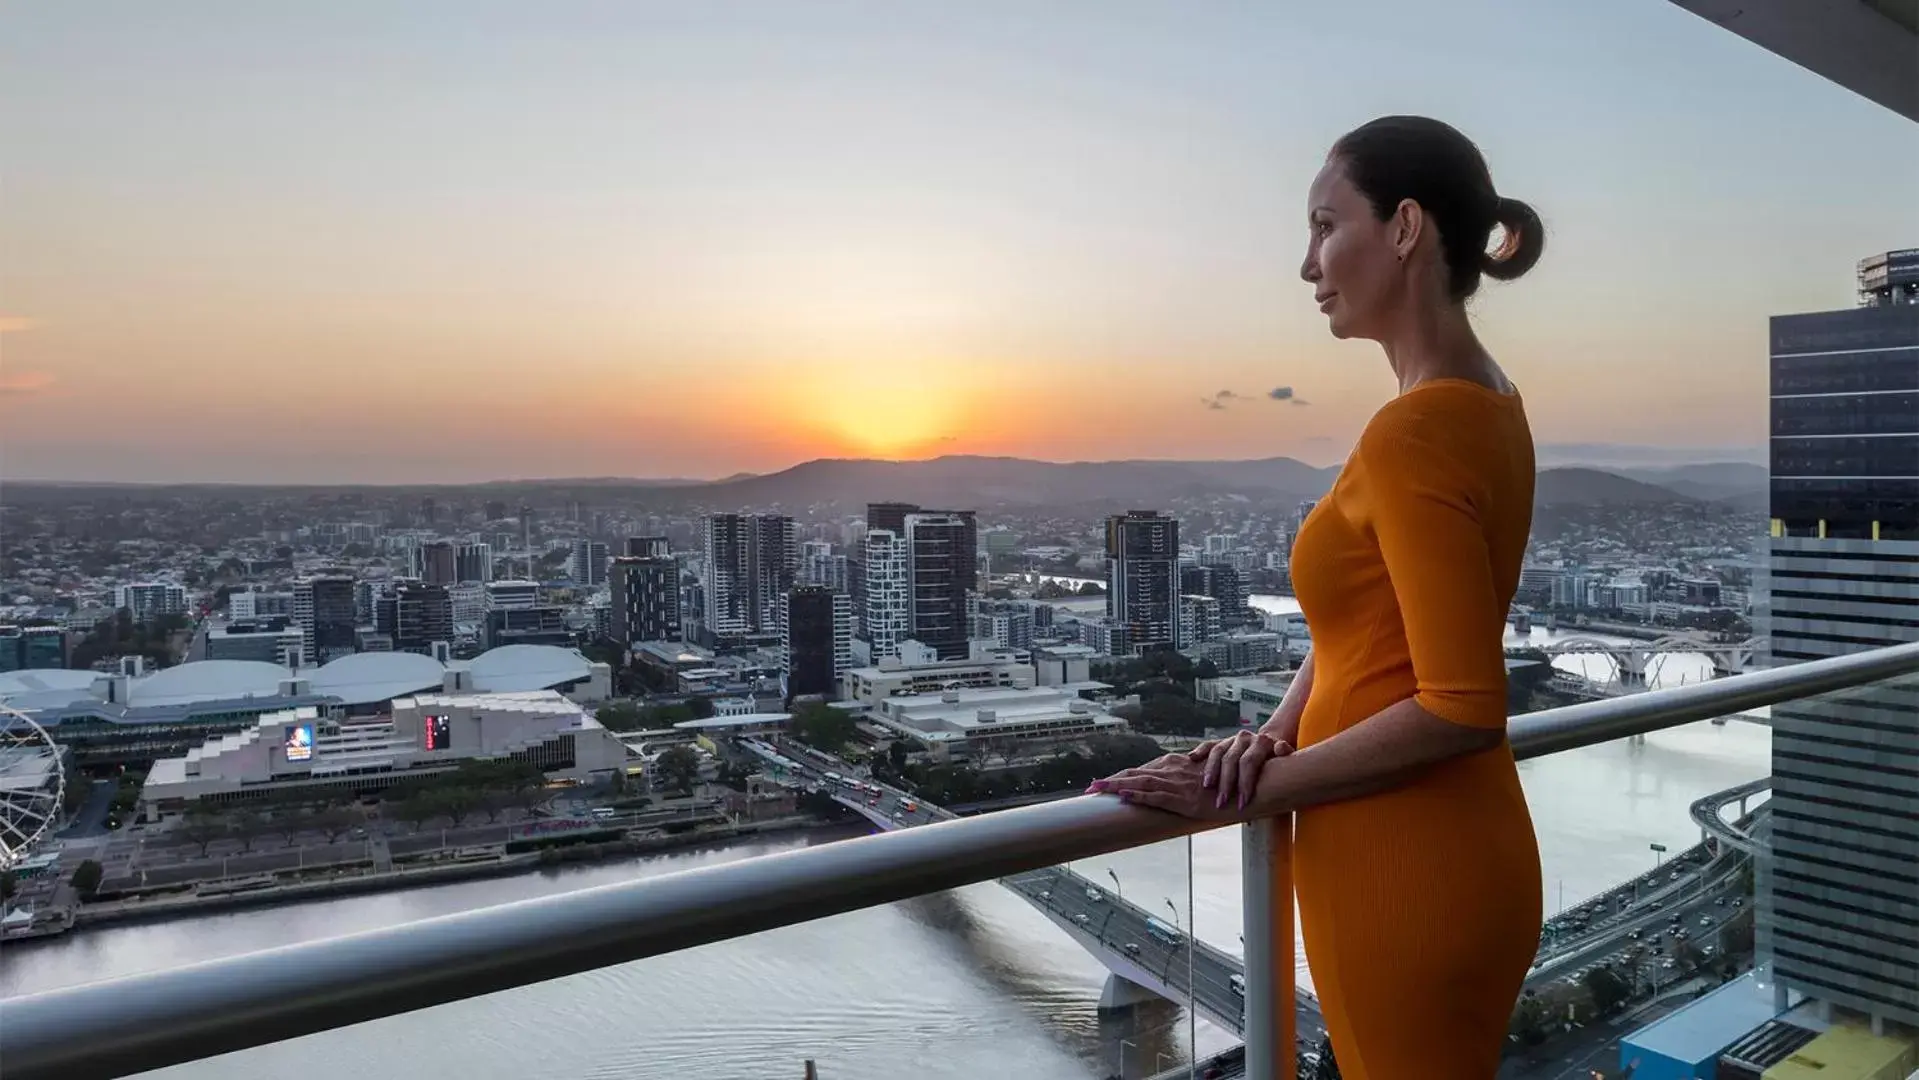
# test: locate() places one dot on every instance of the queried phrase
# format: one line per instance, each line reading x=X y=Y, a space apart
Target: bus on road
x=1163 y=933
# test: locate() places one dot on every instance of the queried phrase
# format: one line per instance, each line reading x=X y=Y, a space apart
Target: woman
x=1414 y=858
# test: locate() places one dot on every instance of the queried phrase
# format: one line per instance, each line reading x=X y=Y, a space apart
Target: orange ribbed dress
x=1420 y=905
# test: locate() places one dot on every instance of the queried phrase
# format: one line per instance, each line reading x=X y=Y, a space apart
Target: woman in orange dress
x=1414 y=858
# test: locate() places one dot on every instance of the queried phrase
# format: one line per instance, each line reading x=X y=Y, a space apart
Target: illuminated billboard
x=299 y=744
x=438 y=732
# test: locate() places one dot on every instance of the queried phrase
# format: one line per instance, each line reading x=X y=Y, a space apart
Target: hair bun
x=1524 y=242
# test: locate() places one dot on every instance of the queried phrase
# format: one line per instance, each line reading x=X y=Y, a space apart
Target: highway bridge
x=1112 y=928
x=1693 y=891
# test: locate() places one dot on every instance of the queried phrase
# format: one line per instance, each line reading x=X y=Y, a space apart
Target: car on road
x=1131 y=947
x=1238 y=983
x=1081 y=919
x=1705 y=920
x=1094 y=895
x=1046 y=894
x=1737 y=902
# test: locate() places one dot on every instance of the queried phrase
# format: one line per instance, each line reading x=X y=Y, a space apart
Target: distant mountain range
x=984 y=483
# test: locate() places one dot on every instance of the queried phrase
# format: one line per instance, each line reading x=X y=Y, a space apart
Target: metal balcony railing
x=143 y=1022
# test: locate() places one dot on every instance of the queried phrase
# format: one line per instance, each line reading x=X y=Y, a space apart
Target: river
x=967 y=984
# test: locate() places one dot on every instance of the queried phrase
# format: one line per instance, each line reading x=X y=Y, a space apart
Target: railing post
x=1272 y=1008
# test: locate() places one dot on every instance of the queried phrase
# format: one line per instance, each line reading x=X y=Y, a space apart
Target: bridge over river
x=1181 y=968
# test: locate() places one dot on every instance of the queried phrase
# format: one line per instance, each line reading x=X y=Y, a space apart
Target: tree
x=701 y=707
x=1529 y=1020
x=1608 y=990
x=417 y=809
x=457 y=801
x=86 y=877
x=823 y=727
x=248 y=826
x=619 y=716
x=290 y=821
x=203 y=827
x=896 y=756
x=678 y=768
x=335 y=820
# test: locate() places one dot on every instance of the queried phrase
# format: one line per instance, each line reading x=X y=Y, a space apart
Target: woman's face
x=1351 y=259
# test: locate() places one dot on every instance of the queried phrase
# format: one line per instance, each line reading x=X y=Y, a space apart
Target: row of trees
x=958 y=784
x=119 y=635
x=632 y=716
x=488 y=787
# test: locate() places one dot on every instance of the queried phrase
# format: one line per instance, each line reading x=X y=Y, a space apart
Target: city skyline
x=367 y=245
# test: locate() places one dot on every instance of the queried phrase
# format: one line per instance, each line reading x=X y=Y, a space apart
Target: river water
x=968 y=984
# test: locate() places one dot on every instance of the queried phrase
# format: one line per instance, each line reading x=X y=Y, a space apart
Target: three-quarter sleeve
x=1421 y=492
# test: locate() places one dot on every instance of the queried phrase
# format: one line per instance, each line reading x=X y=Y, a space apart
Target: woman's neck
x=1436 y=341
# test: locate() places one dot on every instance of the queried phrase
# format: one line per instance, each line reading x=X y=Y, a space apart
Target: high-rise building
x=42 y=647
x=1837 y=917
x=1008 y=624
x=273 y=641
x=149 y=600
x=819 y=565
x=512 y=594
x=542 y=624
x=647 y=547
x=890 y=516
x=473 y=562
x=423 y=615
x=1223 y=583
x=887 y=618
x=439 y=564
x=323 y=609
x=750 y=562
x=588 y=563
x=250 y=604
x=943 y=567
x=646 y=599
x=816 y=640
x=469 y=603
x=1142 y=594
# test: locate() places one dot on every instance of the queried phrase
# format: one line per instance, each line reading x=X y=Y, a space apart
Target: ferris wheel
x=32 y=782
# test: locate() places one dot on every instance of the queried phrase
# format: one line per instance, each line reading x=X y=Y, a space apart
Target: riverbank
x=231 y=894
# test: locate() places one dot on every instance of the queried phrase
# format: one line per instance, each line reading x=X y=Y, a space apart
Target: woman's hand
x=1171 y=783
x=1232 y=765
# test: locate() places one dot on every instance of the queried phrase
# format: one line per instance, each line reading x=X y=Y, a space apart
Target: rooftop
x=1708 y=1026
x=722 y=723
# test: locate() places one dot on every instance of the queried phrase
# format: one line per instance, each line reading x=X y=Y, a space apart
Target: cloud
x=23 y=383
x=1285 y=394
x=14 y=324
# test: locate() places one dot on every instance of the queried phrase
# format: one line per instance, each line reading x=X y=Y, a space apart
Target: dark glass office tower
x=816 y=640
x=1142 y=552
x=1839 y=894
x=645 y=594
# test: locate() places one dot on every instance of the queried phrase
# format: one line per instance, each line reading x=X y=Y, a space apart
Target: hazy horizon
x=1550 y=456
x=454 y=242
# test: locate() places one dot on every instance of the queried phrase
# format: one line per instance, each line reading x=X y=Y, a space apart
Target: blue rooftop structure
x=1686 y=1044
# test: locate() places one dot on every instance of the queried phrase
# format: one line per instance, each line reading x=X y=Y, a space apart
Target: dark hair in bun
x=1414 y=157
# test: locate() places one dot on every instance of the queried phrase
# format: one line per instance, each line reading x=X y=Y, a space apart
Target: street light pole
x=1123 y=1044
x=1170 y=906
x=1117 y=891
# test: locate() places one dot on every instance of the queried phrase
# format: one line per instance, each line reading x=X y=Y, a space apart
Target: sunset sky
x=450 y=241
